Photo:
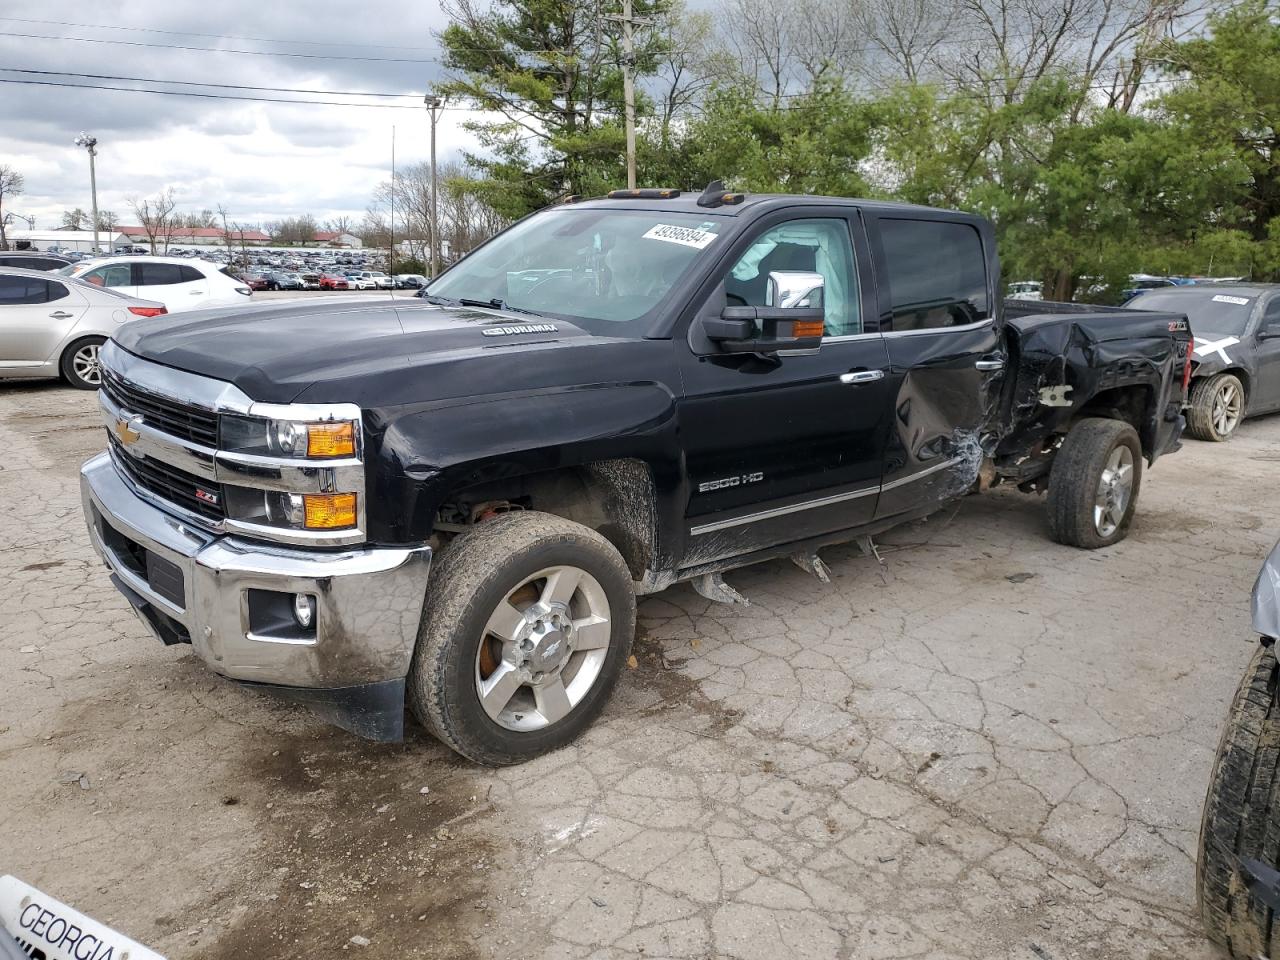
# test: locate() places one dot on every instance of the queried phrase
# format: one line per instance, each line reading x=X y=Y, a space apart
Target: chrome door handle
x=61 y=315
x=862 y=376
x=990 y=364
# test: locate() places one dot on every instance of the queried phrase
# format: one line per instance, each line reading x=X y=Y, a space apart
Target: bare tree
x=155 y=215
x=75 y=219
x=902 y=36
x=689 y=65
x=107 y=221
x=340 y=225
x=12 y=184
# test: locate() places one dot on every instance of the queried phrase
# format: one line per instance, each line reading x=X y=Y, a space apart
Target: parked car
x=410 y=281
x=1237 y=883
x=33 y=260
x=1236 y=368
x=284 y=281
x=53 y=326
x=329 y=281
x=310 y=279
x=255 y=281
x=1140 y=283
x=467 y=527
x=178 y=284
x=380 y=280
x=358 y=281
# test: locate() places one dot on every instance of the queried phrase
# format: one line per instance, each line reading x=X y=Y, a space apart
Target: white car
x=361 y=281
x=1025 y=290
x=52 y=326
x=178 y=283
x=380 y=280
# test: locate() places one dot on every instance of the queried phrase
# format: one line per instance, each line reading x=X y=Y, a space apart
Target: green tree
x=552 y=71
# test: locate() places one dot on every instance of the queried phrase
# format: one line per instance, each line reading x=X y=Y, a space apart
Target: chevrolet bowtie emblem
x=127 y=431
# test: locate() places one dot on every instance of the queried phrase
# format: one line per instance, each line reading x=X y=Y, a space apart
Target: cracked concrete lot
x=997 y=748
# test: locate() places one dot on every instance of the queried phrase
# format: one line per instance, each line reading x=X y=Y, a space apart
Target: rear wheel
x=1240 y=816
x=1093 y=486
x=528 y=621
x=1216 y=407
x=79 y=364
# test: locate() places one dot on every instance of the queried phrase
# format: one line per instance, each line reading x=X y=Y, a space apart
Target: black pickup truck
x=454 y=501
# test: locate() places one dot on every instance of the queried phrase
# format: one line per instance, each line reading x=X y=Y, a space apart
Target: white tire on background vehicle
x=1216 y=407
x=528 y=621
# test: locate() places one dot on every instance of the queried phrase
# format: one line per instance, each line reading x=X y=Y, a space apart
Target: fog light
x=304 y=610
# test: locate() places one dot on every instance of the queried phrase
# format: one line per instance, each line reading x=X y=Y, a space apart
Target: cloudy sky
x=262 y=160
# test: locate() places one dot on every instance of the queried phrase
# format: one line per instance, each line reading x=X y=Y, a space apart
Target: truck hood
x=276 y=352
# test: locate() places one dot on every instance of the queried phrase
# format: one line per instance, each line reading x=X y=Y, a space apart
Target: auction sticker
x=46 y=928
x=686 y=236
x=1238 y=301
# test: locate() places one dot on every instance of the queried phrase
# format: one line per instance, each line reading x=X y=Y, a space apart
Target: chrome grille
x=176 y=486
x=171 y=416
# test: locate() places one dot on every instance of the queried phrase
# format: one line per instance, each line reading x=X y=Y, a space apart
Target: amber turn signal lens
x=329 y=511
x=331 y=440
x=807 y=328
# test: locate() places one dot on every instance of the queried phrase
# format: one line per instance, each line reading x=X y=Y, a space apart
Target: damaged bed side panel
x=1123 y=363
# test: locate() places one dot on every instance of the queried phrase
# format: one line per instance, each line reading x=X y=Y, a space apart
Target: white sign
x=1238 y=301
x=1205 y=347
x=46 y=928
x=686 y=236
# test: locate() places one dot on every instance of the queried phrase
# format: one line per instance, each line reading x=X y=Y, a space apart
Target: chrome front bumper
x=368 y=603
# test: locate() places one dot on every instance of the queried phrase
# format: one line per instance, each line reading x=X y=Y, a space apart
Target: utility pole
x=434 y=105
x=391 y=229
x=629 y=84
x=91 y=144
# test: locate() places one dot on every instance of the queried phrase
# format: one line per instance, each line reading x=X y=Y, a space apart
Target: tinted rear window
x=15 y=290
x=158 y=274
x=937 y=273
x=1222 y=311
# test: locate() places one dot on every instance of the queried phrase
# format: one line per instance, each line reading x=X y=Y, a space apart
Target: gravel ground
x=993 y=747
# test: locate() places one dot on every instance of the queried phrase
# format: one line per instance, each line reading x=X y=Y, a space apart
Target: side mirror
x=792 y=319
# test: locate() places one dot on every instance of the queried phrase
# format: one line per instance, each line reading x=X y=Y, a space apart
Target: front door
x=783 y=448
x=938 y=312
x=1266 y=385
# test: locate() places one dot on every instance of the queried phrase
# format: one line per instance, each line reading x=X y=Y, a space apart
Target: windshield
x=605 y=270
x=1220 y=311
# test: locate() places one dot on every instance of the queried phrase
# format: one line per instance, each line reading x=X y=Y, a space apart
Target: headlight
x=288 y=438
x=291 y=511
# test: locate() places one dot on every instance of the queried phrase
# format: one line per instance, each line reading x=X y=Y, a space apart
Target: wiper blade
x=496 y=304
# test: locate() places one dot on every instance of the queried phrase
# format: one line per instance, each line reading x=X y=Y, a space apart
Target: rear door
x=939 y=314
x=783 y=448
x=177 y=286
x=35 y=315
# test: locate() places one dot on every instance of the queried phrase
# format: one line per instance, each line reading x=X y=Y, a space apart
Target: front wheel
x=79 y=364
x=1094 y=482
x=1216 y=407
x=1242 y=818
x=528 y=621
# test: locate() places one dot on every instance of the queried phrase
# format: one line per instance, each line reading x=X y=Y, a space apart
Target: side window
x=16 y=290
x=57 y=291
x=937 y=273
x=811 y=246
x=112 y=275
x=189 y=274
x=1271 y=316
x=158 y=274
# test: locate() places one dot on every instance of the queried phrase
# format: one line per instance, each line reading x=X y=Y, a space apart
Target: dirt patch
x=355 y=849
x=658 y=674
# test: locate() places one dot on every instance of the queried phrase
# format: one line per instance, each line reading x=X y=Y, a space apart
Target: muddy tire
x=79 y=363
x=1094 y=483
x=528 y=622
x=1242 y=817
x=1215 y=408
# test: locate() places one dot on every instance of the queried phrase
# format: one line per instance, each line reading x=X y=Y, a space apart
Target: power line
x=212 y=96
x=248 y=53
x=220 y=86
x=218 y=36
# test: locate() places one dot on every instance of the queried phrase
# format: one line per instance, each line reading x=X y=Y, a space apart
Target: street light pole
x=434 y=104
x=91 y=144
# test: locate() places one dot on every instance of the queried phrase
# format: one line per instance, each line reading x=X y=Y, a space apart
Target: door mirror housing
x=792 y=319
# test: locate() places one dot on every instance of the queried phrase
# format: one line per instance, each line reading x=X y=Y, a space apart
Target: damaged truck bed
x=453 y=502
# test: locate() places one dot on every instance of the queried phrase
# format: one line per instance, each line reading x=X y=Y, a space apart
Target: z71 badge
x=727 y=482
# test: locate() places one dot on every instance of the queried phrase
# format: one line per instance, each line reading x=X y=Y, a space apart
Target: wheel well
x=1130 y=404
x=1236 y=372
x=613 y=497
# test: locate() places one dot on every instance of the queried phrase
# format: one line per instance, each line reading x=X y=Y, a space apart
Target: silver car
x=52 y=326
